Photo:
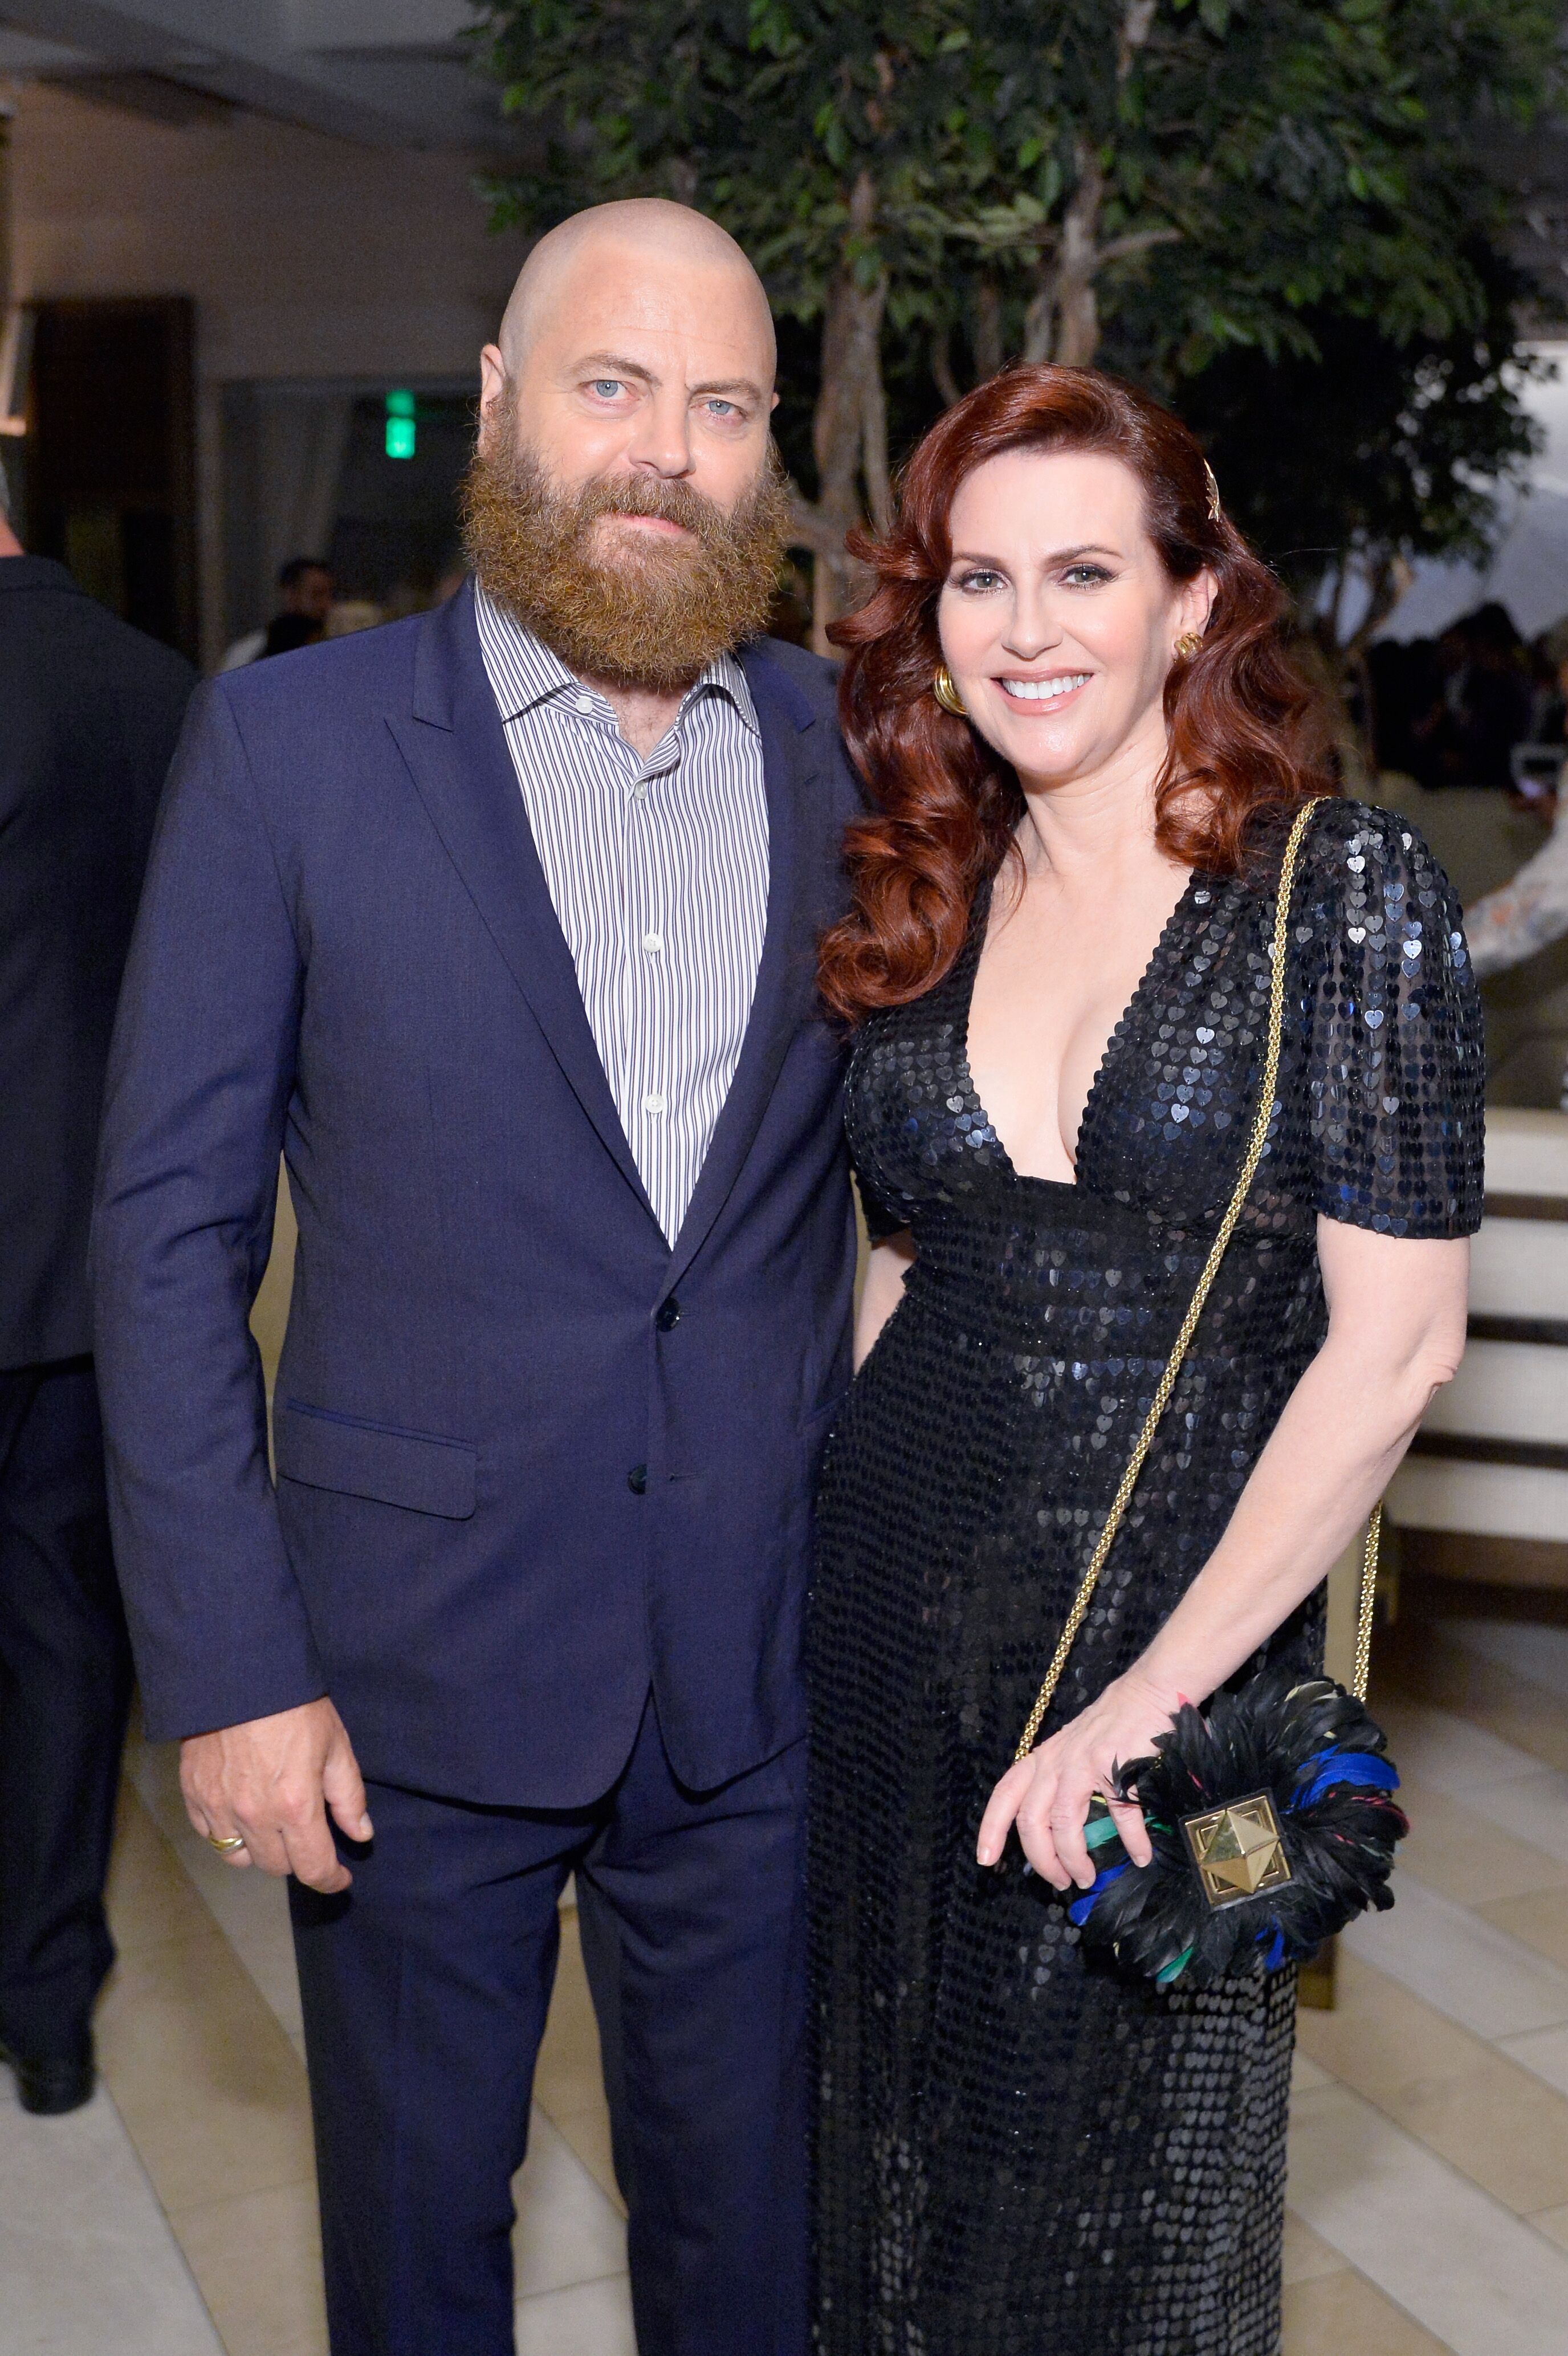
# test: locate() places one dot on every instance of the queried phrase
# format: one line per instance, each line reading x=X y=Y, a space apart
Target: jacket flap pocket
x=395 y=1468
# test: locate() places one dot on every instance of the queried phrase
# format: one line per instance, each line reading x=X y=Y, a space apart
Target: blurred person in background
x=286 y=633
x=92 y=712
x=1549 y=684
x=351 y=614
x=1483 y=707
x=499 y=922
x=1529 y=912
x=306 y=593
x=1405 y=683
x=453 y=573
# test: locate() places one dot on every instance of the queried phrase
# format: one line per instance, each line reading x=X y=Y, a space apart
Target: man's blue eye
x=607 y=384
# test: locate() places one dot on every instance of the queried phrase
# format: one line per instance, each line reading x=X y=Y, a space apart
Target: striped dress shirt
x=658 y=872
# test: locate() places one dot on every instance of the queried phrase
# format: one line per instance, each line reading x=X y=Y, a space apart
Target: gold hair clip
x=1214 y=510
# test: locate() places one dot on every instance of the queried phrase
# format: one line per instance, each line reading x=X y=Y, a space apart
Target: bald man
x=500 y=924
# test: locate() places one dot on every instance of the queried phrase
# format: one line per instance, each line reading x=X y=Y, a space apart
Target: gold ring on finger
x=226 y=1843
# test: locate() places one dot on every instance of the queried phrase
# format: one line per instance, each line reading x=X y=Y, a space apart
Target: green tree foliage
x=1161 y=183
x=1352 y=456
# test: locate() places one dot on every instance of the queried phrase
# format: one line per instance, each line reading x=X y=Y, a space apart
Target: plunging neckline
x=980 y=924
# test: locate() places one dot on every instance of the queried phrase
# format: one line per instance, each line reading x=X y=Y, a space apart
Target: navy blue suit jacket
x=510 y=1493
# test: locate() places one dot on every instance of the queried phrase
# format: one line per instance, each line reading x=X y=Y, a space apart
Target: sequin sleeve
x=881 y=1220
x=1396 y=1061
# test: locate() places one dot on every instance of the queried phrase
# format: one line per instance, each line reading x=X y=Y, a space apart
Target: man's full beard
x=651 y=616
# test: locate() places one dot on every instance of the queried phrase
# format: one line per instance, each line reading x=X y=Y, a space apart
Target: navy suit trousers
x=425 y=1990
x=65 y=1687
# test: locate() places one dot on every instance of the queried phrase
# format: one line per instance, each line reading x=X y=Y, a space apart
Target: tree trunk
x=942 y=374
x=1387 y=579
x=1335 y=660
x=849 y=430
x=1322 y=663
x=1062 y=322
x=1077 y=312
x=990 y=353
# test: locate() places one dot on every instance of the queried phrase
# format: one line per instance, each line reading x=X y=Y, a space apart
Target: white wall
x=307 y=256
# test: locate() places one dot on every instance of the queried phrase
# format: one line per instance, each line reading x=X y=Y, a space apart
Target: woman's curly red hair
x=1240 y=720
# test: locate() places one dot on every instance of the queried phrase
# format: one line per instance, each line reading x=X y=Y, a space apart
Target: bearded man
x=500 y=924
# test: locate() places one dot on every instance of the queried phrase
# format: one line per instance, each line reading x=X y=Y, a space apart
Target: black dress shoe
x=50 y=2088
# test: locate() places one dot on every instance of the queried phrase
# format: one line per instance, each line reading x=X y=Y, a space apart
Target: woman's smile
x=1053 y=689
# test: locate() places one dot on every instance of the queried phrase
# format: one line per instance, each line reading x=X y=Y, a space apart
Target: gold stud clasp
x=1238 y=1850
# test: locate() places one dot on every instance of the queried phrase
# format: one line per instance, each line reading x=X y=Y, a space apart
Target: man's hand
x=271 y=1781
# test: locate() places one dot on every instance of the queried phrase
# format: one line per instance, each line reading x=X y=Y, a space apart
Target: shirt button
x=669 y=1317
x=640 y=790
x=653 y=943
x=583 y=702
x=653 y=1101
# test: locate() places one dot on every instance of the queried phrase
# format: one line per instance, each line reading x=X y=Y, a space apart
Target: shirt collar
x=525 y=672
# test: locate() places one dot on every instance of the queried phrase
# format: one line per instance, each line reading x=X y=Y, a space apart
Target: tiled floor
x=206 y=1990
x=1429 y=2150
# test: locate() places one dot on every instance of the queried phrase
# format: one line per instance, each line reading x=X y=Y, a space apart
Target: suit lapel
x=792 y=755
x=456 y=748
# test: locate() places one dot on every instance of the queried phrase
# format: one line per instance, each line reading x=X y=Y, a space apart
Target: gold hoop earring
x=1189 y=644
x=946 y=693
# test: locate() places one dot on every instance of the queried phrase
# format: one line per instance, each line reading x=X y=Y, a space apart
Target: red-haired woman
x=1084 y=748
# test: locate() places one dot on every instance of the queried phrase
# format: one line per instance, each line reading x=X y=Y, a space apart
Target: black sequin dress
x=1017 y=2154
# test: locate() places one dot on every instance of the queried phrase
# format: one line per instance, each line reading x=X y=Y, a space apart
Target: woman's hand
x=1048 y=1793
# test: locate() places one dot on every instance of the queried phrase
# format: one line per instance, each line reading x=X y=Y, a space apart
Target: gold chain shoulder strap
x=1122 y=1498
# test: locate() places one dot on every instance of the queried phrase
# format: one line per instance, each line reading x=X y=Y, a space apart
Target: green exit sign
x=401 y=428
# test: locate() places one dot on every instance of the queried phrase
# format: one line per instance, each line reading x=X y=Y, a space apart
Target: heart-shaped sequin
x=1358 y=934
x=1374 y=1016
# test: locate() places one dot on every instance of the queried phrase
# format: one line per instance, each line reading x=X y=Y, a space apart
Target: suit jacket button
x=668 y=1316
x=637 y=1479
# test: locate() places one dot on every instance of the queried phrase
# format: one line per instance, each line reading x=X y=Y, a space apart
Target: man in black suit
x=92 y=712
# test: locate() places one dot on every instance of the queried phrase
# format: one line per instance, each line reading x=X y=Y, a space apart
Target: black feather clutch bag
x=1272 y=1814
x=1273 y=1823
